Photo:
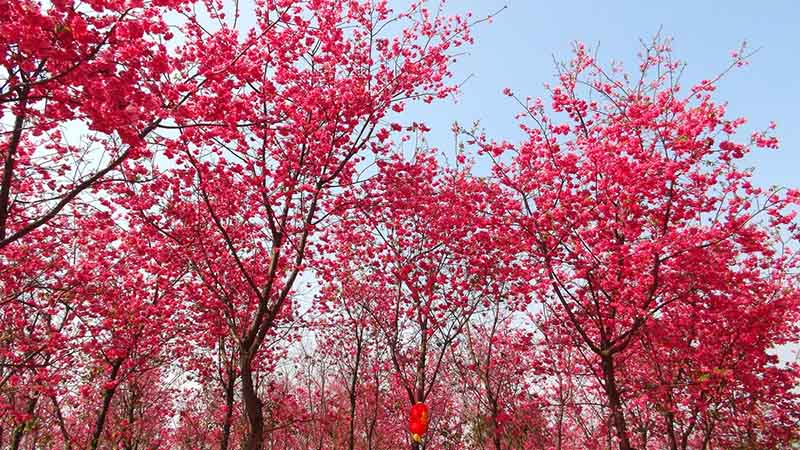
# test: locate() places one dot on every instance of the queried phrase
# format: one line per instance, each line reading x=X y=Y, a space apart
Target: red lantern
x=418 y=421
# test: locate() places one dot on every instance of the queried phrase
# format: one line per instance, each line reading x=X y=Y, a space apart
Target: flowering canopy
x=214 y=234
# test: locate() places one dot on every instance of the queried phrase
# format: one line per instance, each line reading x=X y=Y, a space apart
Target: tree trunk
x=495 y=429
x=614 y=402
x=353 y=383
x=16 y=438
x=419 y=392
x=8 y=164
x=107 y=396
x=132 y=441
x=61 y=424
x=253 y=406
x=670 y=422
x=226 y=425
x=351 y=439
x=560 y=433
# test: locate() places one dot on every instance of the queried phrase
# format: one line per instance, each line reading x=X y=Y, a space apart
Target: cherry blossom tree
x=412 y=256
x=83 y=86
x=215 y=233
x=635 y=207
x=261 y=162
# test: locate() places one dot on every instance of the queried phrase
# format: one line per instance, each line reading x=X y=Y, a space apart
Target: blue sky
x=517 y=51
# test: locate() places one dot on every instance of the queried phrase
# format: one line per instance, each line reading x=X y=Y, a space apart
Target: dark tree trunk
x=615 y=403
x=132 y=441
x=495 y=430
x=61 y=424
x=107 y=396
x=226 y=425
x=16 y=438
x=253 y=407
x=8 y=164
x=670 y=421
x=353 y=384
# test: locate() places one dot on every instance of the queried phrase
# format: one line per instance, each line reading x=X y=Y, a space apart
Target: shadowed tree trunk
x=669 y=418
x=16 y=438
x=108 y=394
x=253 y=407
x=226 y=425
x=614 y=402
x=359 y=334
